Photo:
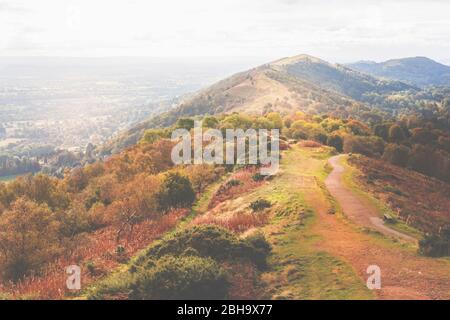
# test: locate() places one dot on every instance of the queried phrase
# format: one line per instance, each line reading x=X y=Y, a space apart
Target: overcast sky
x=339 y=31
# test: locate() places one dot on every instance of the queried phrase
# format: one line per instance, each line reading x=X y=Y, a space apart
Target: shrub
x=175 y=192
x=185 y=277
x=209 y=241
x=120 y=250
x=258 y=177
x=90 y=267
x=153 y=135
x=435 y=246
x=185 y=123
x=233 y=183
x=259 y=243
x=260 y=204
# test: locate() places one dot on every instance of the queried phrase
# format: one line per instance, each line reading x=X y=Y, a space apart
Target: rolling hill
x=418 y=71
x=300 y=83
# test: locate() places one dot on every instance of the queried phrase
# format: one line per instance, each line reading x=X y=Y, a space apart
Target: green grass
x=298 y=269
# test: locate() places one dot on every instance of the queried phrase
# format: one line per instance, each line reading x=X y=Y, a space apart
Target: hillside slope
x=300 y=83
x=419 y=71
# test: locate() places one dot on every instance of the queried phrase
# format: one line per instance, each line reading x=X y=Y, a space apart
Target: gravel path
x=354 y=207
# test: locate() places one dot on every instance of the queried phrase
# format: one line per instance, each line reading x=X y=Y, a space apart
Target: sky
x=335 y=30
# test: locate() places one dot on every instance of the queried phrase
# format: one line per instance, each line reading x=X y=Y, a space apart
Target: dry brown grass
x=237 y=222
x=309 y=144
x=97 y=249
x=243 y=280
x=231 y=192
x=420 y=200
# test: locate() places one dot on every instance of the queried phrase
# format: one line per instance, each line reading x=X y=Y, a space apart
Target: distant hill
x=338 y=77
x=419 y=71
x=300 y=83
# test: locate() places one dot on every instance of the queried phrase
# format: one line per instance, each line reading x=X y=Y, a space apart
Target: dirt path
x=352 y=205
x=404 y=274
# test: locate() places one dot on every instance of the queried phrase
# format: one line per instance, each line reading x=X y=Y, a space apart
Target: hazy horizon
x=263 y=30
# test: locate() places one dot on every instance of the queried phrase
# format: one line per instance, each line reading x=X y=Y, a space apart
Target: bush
x=336 y=142
x=258 y=177
x=233 y=183
x=435 y=246
x=175 y=192
x=209 y=241
x=90 y=267
x=185 y=277
x=260 y=204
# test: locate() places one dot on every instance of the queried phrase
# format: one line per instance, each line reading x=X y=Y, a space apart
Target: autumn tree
x=396 y=133
x=396 y=154
x=28 y=238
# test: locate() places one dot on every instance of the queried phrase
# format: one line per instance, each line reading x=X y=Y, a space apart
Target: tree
x=382 y=131
x=358 y=128
x=336 y=142
x=175 y=192
x=185 y=123
x=276 y=119
x=369 y=146
x=28 y=238
x=152 y=135
x=396 y=133
x=396 y=154
x=210 y=122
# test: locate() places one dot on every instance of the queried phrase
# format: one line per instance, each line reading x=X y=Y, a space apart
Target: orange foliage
x=98 y=248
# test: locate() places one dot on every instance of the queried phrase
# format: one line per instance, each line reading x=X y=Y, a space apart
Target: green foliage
x=382 y=131
x=435 y=245
x=233 y=183
x=335 y=141
x=210 y=122
x=175 y=192
x=185 y=265
x=167 y=278
x=258 y=177
x=153 y=135
x=90 y=267
x=209 y=241
x=237 y=121
x=260 y=204
x=185 y=123
x=185 y=277
x=276 y=120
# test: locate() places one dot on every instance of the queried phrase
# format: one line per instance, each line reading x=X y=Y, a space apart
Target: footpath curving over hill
x=353 y=207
